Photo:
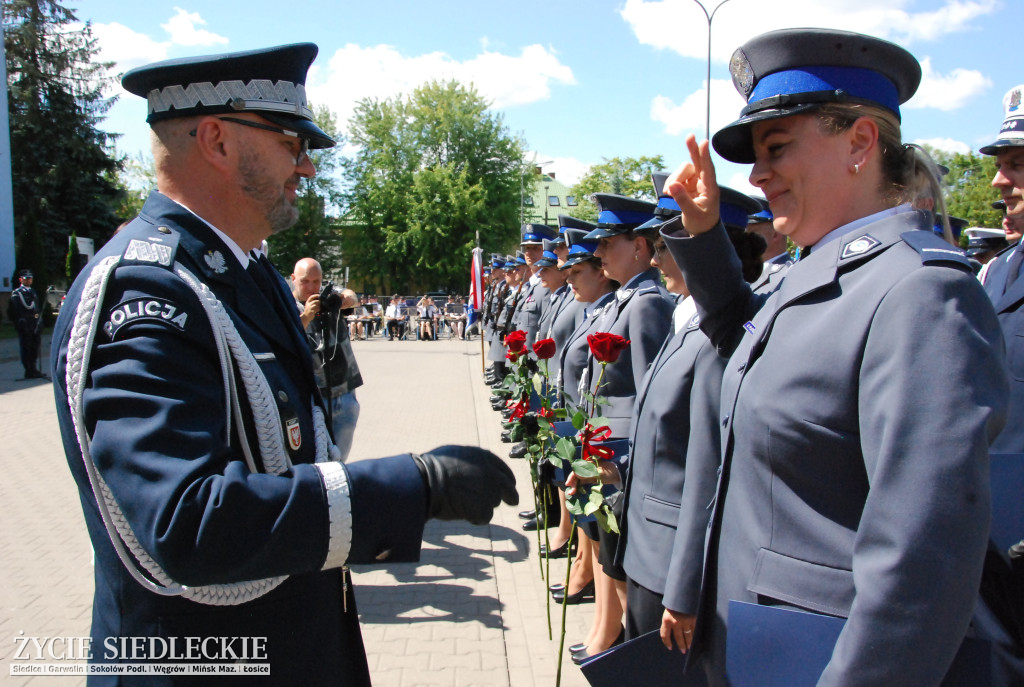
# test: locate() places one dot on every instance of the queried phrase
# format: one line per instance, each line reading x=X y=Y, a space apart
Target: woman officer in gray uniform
x=862 y=391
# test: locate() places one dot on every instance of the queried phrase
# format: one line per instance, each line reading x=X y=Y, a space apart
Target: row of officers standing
x=807 y=435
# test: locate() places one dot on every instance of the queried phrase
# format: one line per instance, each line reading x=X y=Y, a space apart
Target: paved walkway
x=471 y=612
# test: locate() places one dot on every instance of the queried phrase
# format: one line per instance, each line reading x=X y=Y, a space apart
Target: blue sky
x=579 y=81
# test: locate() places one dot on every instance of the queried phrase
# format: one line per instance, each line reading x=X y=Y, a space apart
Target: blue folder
x=770 y=646
x=640 y=661
x=1007 y=499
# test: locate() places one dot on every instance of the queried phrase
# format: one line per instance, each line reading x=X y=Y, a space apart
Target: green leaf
x=565 y=448
x=590 y=508
x=538 y=385
x=578 y=420
x=611 y=522
x=573 y=506
x=598 y=422
x=596 y=497
x=516 y=433
x=554 y=459
x=584 y=468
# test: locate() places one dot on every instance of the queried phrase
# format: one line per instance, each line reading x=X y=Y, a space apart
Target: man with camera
x=337 y=374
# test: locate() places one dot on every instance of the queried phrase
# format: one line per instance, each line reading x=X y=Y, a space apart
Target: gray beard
x=279 y=212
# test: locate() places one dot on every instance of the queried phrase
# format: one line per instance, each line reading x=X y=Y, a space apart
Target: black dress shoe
x=579 y=597
x=518 y=450
x=578 y=657
x=556 y=587
x=527 y=514
x=506 y=437
x=497 y=405
x=531 y=525
x=506 y=414
x=576 y=648
x=560 y=552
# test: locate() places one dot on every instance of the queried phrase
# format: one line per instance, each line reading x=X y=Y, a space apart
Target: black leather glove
x=465 y=483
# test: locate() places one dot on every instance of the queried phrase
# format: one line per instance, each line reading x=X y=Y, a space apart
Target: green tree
x=432 y=169
x=316 y=234
x=63 y=176
x=622 y=176
x=968 y=189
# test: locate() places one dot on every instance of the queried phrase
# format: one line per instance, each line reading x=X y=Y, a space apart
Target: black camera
x=330 y=299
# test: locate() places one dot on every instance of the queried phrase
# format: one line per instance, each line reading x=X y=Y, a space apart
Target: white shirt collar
x=683 y=313
x=863 y=221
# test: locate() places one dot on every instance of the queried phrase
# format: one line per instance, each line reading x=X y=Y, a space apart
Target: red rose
x=516 y=341
x=520 y=409
x=514 y=356
x=546 y=413
x=545 y=348
x=606 y=347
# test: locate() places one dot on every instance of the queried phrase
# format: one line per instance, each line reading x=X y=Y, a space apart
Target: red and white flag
x=476 y=288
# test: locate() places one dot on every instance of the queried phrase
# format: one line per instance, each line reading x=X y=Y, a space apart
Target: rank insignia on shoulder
x=859 y=246
x=933 y=249
x=155 y=310
x=294 y=433
x=215 y=261
x=751 y=329
x=776 y=267
x=149 y=251
x=695 y=322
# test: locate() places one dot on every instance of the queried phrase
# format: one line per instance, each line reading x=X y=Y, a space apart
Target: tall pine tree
x=63 y=176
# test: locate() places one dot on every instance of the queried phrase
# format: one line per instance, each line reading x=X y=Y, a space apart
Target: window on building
x=553 y=201
x=571 y=201
x=528 y=201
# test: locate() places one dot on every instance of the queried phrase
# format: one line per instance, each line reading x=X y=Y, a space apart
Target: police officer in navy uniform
x=534 y=298
x=189 y=409
x=28 y=321
x=855 y=448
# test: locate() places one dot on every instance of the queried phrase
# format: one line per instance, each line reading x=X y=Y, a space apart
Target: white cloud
x=126 y=47
x=568 y=170
x=690 y=115
x=182 y=27
x=947 y=92
x=740 y=181
x=681 y=26
x=355 y=72
x=949 y=145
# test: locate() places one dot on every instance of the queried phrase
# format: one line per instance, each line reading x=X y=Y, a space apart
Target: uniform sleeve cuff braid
x=339 y=510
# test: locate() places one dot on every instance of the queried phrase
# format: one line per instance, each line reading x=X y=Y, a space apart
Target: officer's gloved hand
x=465 y=483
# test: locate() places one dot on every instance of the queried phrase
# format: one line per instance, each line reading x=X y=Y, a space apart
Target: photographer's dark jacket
x=162 y=439
x=334 y=363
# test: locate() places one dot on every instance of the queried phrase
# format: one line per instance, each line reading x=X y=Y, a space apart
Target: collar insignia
x=215 y=261
x=859 y=246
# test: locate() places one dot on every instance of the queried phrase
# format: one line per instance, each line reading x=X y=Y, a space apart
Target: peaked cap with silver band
x=270 y=82
x=786 y=72
x=1011 y=134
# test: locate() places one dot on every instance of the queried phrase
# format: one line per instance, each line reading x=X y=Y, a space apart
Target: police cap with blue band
x=760 y=217
x=534 y=234
x=786 y=72
x=666 y=208
x=270 y=82
x=735 y=207
x=956 y=225
x=548 y=257
x=619 y=214
x=1011 y=134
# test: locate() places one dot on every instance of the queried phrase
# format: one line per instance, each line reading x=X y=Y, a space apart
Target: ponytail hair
x=909 y=175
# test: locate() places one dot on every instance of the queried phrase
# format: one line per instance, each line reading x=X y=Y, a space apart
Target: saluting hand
x=695 y=188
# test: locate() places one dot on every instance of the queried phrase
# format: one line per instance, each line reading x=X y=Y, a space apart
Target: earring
x=636 y=257
x=856 y=168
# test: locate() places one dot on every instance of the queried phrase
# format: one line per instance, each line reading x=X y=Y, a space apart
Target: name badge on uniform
x=294 y=433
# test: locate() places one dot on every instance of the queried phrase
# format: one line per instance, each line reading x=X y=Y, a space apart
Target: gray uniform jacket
x=856 y=417
x=576 y=352
x=641 y=313
x=674 y=458
x=771 y=266
x=561 y=319
x=1011 y=439
x=531 y=308
x=497 y=351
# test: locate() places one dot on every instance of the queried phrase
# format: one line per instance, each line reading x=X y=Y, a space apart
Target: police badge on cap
x=1011 y=134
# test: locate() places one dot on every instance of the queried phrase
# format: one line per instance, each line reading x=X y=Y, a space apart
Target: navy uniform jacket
x=506 y=313
x=674 y=458
x=856 y=415
x=155 y=409
x=1007 y=305
x=25 y=309
x=573 y=359
x=641 y=313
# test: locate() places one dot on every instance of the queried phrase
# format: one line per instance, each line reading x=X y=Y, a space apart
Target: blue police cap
x=497 y=262
x=735 y=207
x=956 y=224
x=580 y=251
x=619 y=214
x=666 y=209
x=534 y=234
x=574 y=235
x=520 y=259
x=567 y=222
x=1011 y=134
x=786 y=72
x=270 y=82
x=25 y=274
x=548 y=259
x=760 y=217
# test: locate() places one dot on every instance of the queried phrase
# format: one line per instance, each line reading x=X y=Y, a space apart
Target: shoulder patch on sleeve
x=145 y=309
x=934 y=250
x=151 y=248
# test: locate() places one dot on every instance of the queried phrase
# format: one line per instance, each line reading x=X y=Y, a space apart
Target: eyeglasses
x=303 y=141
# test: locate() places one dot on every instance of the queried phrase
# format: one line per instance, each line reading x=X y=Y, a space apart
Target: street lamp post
x=522 y=191
x=709 y=17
